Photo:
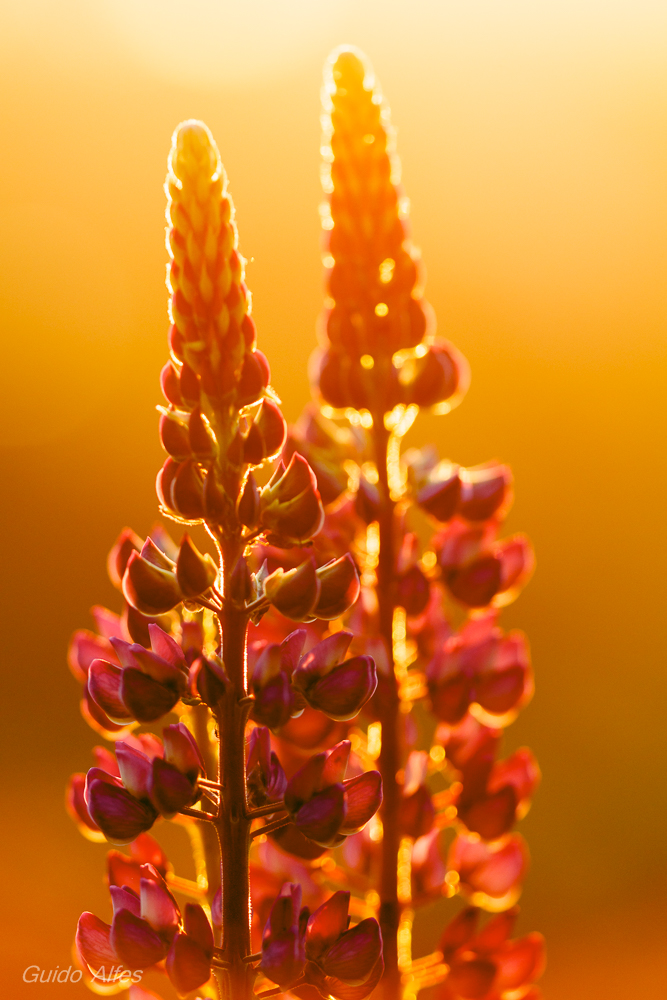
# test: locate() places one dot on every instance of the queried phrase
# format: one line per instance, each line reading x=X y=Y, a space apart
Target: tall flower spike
x=194 y=612
x=379 y=325
x=378 y=363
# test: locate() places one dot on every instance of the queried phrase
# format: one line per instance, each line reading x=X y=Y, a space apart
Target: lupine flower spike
x=177 y=655
x=425 y=534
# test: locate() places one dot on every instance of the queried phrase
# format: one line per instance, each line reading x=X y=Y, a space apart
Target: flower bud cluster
x=148 y=928
x=426 y=535
x=262 y=802
x=380 y=351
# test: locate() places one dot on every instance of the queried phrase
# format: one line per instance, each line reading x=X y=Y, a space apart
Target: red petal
x=471 y=979
x=104 y=686
x=135 y=942
x=188 y=966
x=364 y=797
x=354 y=955
x=93 y=942
x=198 y=927
x=327 y=924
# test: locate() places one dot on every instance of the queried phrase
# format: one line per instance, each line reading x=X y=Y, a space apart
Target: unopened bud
x=440 y=499
x=340 y=587
x=148 y=588
x=249 y=503
x=174 y=436
x=295 y=592
x=215 y=499
x=163 y=483
x=169 y=381
x=187 y=491
x=255 y=376
x=413 y=591
x=195 y=571
x=434 y=378
x=189 y=385
x=201 y=437
x=484 y=491
x=253 y=446
x=127 y=543
x=271 y=425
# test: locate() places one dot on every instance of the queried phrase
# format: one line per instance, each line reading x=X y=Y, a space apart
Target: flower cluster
x=426 y=534
x=178 y=653
x=347 y=584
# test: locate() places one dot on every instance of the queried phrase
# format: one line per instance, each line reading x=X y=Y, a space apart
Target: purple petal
x=307 y=780
x=165 y=646
x=135 y=942
x=159 y=669
x=342 y=693
x=158 y=906
x=181 y=750
x=123 y=651
x=325 y=655
x=169 y=790
x=291 y=649
x=147 y=699
x=120 y=816
x=104 y=684
x=353 y=957
x=336 y=764
x=124 y=898
x=135 y=769
x=322 y=817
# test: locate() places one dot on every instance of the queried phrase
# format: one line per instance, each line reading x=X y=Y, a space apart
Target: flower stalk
x=180 y=648
x=424 y=534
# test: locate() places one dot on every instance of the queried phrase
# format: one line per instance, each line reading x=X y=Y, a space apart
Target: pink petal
x=364 y=797
x=353 y=956
x=181 y=750
x=93 y=942
x=104 y=685
x=124 y=898
x=135 y=769
x=327 y=924
x=158 y=906
x=146 y=698
x=135 y=942
x=321 y=818
x=165 y=646
x=188 y=966
x=198 y=928
x=336 y=764
x=118 y=814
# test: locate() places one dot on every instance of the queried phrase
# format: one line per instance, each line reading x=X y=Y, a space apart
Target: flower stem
x=233 y=827
x=391 y=719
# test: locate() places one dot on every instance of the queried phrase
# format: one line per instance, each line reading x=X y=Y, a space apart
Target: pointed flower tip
x=349 y=64
x=193 y=150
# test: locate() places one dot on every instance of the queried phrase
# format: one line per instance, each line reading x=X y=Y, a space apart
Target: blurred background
x=533 y=138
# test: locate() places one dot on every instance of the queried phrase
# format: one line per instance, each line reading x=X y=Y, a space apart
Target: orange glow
x=533 y=145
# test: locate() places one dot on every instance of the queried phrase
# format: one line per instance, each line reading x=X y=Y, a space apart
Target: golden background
x=533 y=137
